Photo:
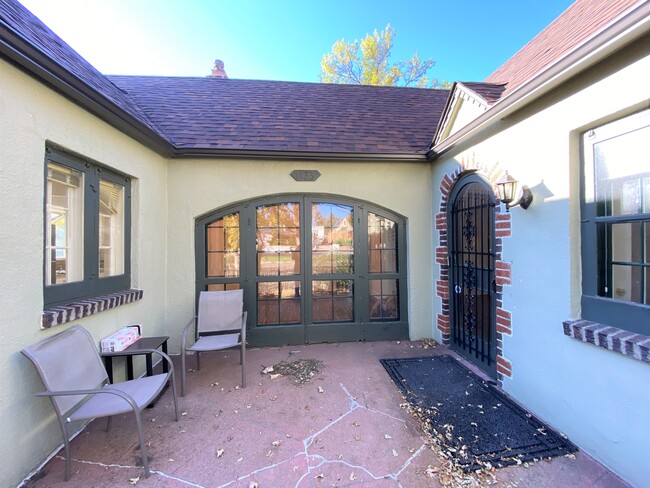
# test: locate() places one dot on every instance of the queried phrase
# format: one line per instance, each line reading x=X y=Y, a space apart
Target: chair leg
x=108 y=422
x=173 y=381
x=243 y=365
x=183 y=372
x=66 y=448
x=198 y=361
x=143 y=447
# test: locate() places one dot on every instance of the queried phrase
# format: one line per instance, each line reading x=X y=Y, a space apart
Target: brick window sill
x=90 y=306
x=627 y=343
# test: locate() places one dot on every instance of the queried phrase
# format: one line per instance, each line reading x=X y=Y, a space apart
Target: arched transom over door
x=472 y=271
x=313 y=268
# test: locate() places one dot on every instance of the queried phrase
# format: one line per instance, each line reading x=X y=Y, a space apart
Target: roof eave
x=624 y=30
x=297 y=155
x=21 y=53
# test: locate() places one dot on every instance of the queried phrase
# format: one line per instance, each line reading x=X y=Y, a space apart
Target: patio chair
x=77 y=384
x=220 y=324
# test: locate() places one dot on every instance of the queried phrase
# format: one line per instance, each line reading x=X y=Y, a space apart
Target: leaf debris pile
x=302 y=370
x=450 y=472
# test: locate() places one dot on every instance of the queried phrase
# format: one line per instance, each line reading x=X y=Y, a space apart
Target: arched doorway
x=472 y=285
x=314 y=268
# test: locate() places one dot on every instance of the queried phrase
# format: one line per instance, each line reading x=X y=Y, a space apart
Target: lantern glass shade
x=507 y=187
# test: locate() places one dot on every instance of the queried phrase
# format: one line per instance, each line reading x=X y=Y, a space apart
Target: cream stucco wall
x=600 y=399
x=199 y=186
x=31 y=114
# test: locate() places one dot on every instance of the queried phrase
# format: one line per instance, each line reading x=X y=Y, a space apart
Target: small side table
x=135 y=349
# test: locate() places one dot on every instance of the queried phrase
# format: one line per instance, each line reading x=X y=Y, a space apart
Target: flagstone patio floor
x=344 y=427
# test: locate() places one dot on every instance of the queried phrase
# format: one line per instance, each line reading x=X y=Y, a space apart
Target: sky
x=286 y=39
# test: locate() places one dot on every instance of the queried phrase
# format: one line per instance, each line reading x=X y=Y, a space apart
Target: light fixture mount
x=507 y=187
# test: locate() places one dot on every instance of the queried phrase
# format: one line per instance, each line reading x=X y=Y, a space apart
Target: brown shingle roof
x=490 y=92
x=210 y=113
x=575 y=25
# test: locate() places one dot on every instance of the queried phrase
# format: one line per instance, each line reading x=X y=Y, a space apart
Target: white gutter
x=626 y=28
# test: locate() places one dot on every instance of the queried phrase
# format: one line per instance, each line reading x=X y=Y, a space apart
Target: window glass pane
x=64 y=232
x=623 y=252
x=626 y=281
x=223 y=247
x=332 y=236
x=626 y=242
x=111 y=229
x=619 y=163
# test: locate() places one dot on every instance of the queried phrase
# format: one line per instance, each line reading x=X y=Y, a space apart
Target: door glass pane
x=382 y=244
x=332 y=301
x=64 y=231
x=278 y=239
x=332 y=235
x=383 y=299
x=222 y=286
x=278 y=303
x=111 y=229
x=223 y=247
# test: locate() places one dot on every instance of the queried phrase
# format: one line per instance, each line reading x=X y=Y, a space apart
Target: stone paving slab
x=344 y=427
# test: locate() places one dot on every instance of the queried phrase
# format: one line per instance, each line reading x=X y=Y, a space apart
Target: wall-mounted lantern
x=507 y=186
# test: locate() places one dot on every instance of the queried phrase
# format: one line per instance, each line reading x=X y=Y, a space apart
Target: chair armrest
x=91 y=391
x=185 y=331
x=156 y=351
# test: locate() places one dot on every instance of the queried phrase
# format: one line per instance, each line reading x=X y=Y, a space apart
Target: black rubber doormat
x=476 y=424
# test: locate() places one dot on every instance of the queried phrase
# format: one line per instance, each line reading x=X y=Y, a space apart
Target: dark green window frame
x=91 y=284
x=601 y=299
x=367 y=286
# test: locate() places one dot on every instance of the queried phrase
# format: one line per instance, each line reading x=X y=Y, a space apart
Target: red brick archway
x=503 y=268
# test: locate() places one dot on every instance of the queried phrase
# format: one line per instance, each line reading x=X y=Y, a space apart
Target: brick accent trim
x=83 y=308
x=503 y=270
x=629 y=344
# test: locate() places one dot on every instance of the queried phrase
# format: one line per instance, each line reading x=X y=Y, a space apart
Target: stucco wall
x=600 y=399
x=30 y=114
x=199 y=186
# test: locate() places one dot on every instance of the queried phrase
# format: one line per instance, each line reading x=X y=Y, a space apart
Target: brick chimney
x=218 y=70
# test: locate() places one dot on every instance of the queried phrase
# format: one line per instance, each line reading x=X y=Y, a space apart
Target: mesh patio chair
x=220 y=324
x=77 y=384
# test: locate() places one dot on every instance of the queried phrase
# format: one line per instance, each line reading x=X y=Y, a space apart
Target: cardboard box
x=123 y=338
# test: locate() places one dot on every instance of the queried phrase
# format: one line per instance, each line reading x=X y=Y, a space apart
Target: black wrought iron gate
x=471 y=272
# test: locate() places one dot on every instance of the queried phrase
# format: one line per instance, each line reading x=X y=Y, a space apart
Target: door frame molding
x=309 y=333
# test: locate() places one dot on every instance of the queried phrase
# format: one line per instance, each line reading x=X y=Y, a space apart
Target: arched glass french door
x=472 y=283
x=313 y=268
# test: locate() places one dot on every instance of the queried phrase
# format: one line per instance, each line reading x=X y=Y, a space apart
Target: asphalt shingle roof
x=491 y=92
x=574 y=26
x=216 y=113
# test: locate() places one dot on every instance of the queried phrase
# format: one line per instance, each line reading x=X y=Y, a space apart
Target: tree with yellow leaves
x=366 y=62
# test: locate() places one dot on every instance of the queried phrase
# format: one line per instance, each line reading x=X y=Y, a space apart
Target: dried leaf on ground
x=220 y=452
x=134 y=481
x=302 y=370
